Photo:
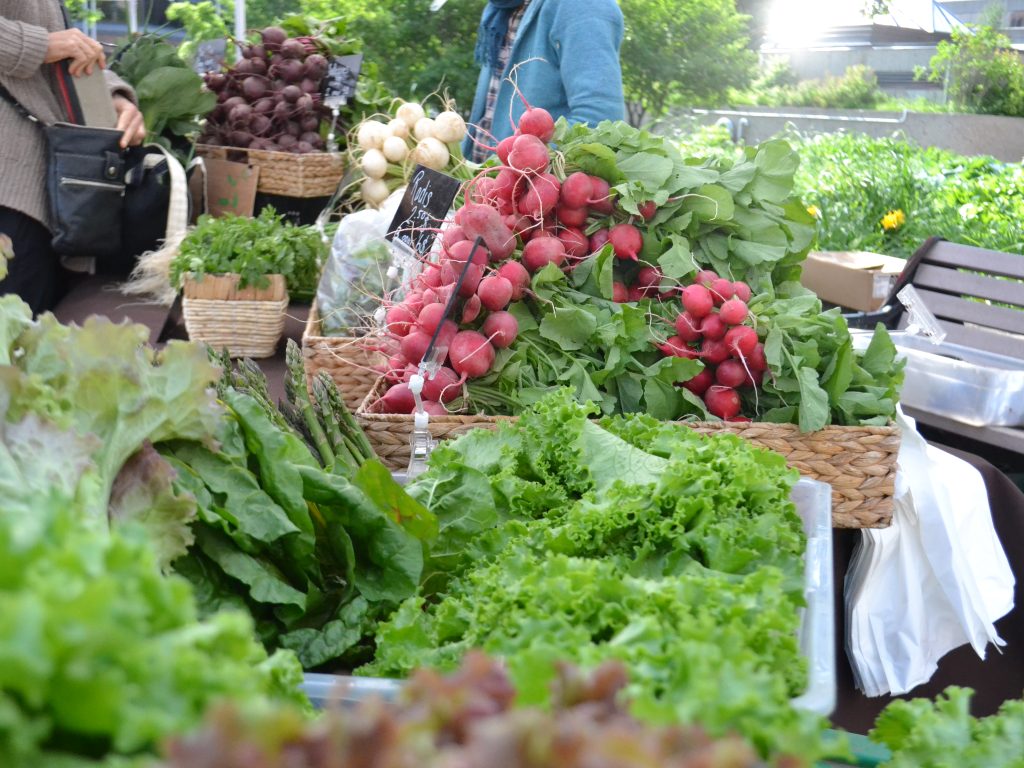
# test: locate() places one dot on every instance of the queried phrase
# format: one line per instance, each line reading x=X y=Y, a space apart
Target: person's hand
x=130 y=122
x=84 y=52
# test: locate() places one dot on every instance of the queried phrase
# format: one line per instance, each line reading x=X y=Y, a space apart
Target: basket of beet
x=270 y=114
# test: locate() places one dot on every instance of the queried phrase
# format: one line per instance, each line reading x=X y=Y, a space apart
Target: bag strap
x=18 y=106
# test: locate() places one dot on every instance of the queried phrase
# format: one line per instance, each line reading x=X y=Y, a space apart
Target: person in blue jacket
x=568 y=57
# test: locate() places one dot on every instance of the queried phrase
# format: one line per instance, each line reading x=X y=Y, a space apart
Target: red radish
x=431 y=276
x=697 y=301
x=484 y=221
x=471 y=354
x=648 y=210
x=541 y=251
x=430 y=318
x=742 y=290
x=705 y=277
x=471 y=309
x=648 y=279
x=733 y=311
x=713 y=327
x=414 y=345
x=571 y=217
x=430 y=296
x=687 y=328
x=576 y=243
x=480 y=191
x=537 y=121
x=598 y=239
x=504 y=147
x=740 y=419
x=757 y=361
x=444 y=293
x=515 y=273
x=399 y=320
x=699 y=384
x=723 y=402
x=501 y=328
x=459 y=253
x=529 y=154
x=577 y=189
x=413 y=302
x=398 y=399
x=600 y=197
x=495 y=292
x=505 y=184
x=721 y=289
x=540 y=197
x=741 y=340
x=713 y=352
x=444 y=387
x=674 y=346
x=620 y=293
x=471 y=280
x=731 y=373
x=394 y=369
x=626 y=240
x=636 y=293
x=452 y=235
x=434 y=408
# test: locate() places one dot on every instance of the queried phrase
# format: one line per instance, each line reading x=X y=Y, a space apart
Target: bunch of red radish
x=711 y=329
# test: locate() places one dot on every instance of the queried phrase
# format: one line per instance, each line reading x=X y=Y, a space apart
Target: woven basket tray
x=316 y=174
x=247 y=322
x=858 y=462
x=345 y=358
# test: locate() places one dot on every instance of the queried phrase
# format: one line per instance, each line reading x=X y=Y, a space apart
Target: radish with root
x=600 y=196
x=577 y=189
x=529 y=154
x=478 y=220
x=540 y=197
x=444 y=387
x=471 y=354
x=517 y=275
x=723 y=402
x=576 y=243
x=626 y=240
x=495 y=292
x=541 y=251
x=537 y=121
x=398 y=399
x=501 y=328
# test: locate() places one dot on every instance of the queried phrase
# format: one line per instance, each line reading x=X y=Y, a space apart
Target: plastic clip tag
x=922 y=322
x=402 y=259
x=420 y=443
x=332 y=141
x=380 y=317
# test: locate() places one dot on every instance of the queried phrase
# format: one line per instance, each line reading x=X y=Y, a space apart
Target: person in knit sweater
x=33 y=36
x=565 y=57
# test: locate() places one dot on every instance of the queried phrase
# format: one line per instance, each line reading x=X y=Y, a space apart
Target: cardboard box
x=854 y=279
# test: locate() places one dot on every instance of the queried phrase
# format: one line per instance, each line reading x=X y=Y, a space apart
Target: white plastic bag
x=935 y=579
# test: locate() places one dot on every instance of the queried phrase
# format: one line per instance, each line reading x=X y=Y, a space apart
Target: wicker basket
x=345 y=358
x=315 y=174
x=858 y=462
x=247 y=322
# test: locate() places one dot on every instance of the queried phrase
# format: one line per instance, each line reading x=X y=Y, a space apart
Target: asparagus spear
x=295 y=389
x=345 y=418
x=342 y=449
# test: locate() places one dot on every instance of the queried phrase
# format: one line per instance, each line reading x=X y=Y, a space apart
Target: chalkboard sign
x=424 y=206
x=210 y=55
x=339 y=84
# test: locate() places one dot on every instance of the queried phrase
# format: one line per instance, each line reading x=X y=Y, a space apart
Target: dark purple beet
x=264 y=106
x=259 y=66
x=259 y=125
x=216 y=81
x=283 y=110
x=315 y=67
x=258 y=52
x=292 y=128
x=310 y=137
x=240 y=114
x=241 y=138
x=310 y=124
x=253 y=88
x=214 y=141
x=233 y=102
x=293 y=49
x=273 y=37
x=304 y=147
x=242 y=67
x=292 y=93
x=304 y=103
x=289 y=70
x=276 y=59
x=223 y=96
x=309 y=86
x=286 y=141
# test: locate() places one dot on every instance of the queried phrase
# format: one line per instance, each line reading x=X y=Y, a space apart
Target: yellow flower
x=893 y=220
x=814 y=210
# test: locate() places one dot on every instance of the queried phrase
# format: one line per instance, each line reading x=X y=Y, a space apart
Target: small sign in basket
x=858 y=462
x=248 y=322
x=314 y=174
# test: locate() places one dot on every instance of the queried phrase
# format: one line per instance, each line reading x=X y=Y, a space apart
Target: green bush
x=983 y=73
x=857 y=88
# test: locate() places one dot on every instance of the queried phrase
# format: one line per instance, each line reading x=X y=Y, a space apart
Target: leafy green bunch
x=253 y=248
x=102 y=654
x=171 y=96
x=629 y=539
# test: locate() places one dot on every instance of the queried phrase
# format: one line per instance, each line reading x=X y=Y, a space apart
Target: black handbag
x=108 y=203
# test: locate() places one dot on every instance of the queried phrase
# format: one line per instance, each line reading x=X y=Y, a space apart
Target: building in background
x=973 y=12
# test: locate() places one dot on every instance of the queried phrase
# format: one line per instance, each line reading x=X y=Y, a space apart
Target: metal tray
x=968 y=385
x=813 y=502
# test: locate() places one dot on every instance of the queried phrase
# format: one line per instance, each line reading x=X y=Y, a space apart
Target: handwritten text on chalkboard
x=339 y=84
x=423 y=208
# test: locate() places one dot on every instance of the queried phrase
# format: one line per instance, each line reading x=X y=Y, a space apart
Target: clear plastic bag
x=355 y=277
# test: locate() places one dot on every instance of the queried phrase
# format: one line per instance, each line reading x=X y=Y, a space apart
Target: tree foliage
x=682 y=52
x=982 y=71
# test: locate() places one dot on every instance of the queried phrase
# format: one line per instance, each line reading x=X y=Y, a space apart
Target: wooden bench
x=964 y=286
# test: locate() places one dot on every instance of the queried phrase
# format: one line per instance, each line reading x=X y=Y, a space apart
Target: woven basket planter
x=345 y=358
x=315 y=174
x=247 y=322
x=858 y=462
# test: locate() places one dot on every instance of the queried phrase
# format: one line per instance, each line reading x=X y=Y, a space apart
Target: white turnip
x=449 y=127
x=374 y=164
x=409 y=113
x=424 y=129
x=395 y=149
